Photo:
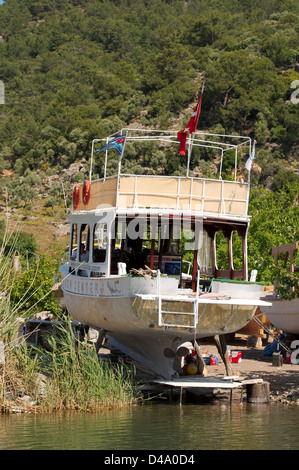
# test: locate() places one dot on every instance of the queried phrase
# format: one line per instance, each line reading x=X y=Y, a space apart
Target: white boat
x=130 y=282
x=284 y=313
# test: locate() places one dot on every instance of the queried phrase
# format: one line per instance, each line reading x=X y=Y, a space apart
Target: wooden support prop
x=258 y=393
x=222 y=349
x=200 y=362
x=277 y=359
x=100 y=339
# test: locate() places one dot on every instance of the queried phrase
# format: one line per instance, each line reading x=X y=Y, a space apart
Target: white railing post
x=159 y=298
x=178 y=194
x=195 y=305
x=222 y=203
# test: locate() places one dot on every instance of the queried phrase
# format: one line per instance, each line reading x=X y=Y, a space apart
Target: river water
x=172 y=427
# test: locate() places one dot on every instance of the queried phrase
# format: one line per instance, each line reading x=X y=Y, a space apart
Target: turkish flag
x=182 y=136
x=190 y=128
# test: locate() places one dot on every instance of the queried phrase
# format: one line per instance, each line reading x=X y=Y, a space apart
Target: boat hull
x=284 y=314
x=127 y=308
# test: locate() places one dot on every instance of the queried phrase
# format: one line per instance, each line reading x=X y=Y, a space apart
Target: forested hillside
x=74 y=70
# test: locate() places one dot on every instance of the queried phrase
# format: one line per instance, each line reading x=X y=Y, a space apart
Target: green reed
x=69 y=376
x=79 y=380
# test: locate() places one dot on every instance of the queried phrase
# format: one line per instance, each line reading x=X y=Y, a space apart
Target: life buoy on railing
x=76 y=196
x=86 y=192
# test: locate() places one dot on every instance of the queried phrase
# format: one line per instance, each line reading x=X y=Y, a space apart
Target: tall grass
x=78 y=380
x=68 y=377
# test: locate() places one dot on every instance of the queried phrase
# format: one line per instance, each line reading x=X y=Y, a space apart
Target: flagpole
x=249 y=161
x=91 y=161
x=119 y=167
x=189 y=153
x=105 y=167
x=122 y=152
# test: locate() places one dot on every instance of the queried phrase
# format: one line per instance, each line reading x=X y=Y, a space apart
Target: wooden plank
x=207 y=382
x=204 y=383
x=290 y=247
x=251 y=381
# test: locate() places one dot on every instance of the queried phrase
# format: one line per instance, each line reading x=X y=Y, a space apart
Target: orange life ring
x=86 y=192
x=76 y=196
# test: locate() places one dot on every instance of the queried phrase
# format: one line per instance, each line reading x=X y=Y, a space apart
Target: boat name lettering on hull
x=92 y=287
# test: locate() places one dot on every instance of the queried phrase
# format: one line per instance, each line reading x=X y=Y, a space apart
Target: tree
x=275 y=221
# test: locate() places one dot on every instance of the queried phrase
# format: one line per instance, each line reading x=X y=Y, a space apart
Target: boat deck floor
x=204 y=299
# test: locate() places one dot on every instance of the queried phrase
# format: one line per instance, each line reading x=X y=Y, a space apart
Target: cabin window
x=204 y=255
x=118 y=244
x=84 y=243
x=221 y=252
x=100 y=241
x=120 y=235
x=74 y=241
x=237 y=250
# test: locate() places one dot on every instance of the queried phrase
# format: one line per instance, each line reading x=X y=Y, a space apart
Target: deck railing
x=188 y=193
x=175 y=193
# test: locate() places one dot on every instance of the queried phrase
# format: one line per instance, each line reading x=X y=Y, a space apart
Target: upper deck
x=194 y=195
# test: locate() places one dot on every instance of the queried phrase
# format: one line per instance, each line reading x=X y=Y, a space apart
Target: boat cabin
x=127 y=222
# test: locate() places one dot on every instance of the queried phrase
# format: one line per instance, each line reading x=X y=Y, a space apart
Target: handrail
x=171 y=138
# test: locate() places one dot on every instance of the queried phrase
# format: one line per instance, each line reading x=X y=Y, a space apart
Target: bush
x=78 y=380
x=288 y=286
x=22 y=242
x=31 y=290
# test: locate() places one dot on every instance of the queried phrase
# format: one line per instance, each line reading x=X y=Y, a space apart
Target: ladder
x=163 y=313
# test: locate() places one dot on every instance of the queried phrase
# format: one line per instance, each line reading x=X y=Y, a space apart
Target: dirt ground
x=284 y=380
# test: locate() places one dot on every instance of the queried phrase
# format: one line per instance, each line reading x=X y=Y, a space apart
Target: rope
x=260 y=323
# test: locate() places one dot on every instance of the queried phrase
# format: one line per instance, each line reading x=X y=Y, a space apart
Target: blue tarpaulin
x=275 y=346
